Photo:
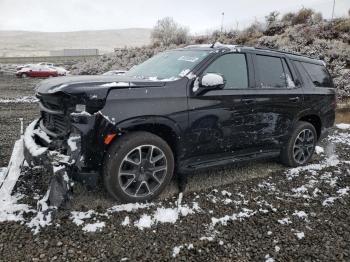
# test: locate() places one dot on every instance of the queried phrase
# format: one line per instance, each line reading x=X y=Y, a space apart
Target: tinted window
x=318 y=74
x=270 y=72
x=233 y=67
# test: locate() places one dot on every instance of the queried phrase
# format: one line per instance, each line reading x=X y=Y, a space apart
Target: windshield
x=168 y=66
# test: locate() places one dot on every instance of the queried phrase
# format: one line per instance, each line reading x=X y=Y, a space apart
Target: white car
x=60 y=70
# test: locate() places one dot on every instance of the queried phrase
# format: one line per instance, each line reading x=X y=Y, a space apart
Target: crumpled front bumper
x=38 y=151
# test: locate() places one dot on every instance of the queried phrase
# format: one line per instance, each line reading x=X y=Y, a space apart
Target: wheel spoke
x=128 y=183
x=156 y=178
x=150 y=153
x=132 y=161
x=157 y=158
x=158 y=168
x=138 y=188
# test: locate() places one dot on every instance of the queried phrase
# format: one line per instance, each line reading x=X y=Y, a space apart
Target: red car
x=36 y=71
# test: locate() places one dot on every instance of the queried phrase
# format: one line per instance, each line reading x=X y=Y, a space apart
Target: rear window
x=273 y=72
x=318 y=74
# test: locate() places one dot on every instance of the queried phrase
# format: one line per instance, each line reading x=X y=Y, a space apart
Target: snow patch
x=144 y=222
x=245 y=213
x=24 y=99
x=343 y=126
x=329 y=201
x=34 y=149
x=328 y=162
x=94 y=227
x=72 y=142
x=166 y=215
x=115 y=84
x=128 y=207
x=319 y=150
x=284 y=221
x=176 y=250
x=44 y=217
x=212 y=79
x=300 y=235
x=78 y=217
x=300 y=214
x=126 y=221
x=343 y=191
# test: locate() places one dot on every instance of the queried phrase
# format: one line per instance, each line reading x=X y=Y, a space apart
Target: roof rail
x=284 y=52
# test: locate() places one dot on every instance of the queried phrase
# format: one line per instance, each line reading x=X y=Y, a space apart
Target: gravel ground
x=260 y=211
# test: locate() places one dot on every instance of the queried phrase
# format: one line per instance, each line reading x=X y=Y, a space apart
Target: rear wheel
x=300 y=146
x=138 y=167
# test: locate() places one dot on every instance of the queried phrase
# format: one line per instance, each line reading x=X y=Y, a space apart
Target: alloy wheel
x=142 y=170
x=303 y=146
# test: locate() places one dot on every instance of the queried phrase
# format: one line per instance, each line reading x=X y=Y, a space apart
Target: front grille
x=50 y=105
x=55 y=123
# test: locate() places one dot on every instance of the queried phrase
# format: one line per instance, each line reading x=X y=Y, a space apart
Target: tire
x=137 y=167
x=297 y=152
x=24 y=75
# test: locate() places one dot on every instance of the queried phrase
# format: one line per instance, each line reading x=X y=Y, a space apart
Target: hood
x=97 y=85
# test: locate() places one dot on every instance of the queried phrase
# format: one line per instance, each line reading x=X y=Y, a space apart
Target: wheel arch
x=313 y=119
x=163 y=127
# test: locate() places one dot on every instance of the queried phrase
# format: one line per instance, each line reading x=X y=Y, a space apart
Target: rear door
x=278 y=100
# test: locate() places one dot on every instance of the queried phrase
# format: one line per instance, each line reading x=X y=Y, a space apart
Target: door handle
x=294 y=99
x=248 y=100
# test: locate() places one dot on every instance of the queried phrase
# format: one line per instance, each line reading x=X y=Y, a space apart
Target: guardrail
x=51 y=59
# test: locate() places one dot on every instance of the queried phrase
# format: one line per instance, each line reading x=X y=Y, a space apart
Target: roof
x=238 y=48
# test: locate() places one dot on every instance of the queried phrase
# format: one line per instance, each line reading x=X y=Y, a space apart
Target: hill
x=304 y=32
x=25 y=43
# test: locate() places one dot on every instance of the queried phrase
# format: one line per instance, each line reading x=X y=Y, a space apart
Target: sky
x=199 y=16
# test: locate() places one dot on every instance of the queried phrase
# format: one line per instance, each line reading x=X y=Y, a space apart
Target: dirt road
x=261 y=211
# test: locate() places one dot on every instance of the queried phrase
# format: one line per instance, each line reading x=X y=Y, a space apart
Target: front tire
x=24 y=75
x=137 y=167
x=300 y=146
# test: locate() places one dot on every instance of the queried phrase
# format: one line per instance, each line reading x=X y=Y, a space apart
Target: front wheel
x=24 y=75
x=300 y=146
x=138 y=167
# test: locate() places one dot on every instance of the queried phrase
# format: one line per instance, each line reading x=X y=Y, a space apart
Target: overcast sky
x=199 y=16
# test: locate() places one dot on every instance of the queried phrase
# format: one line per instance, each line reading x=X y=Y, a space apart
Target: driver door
x=219 y=119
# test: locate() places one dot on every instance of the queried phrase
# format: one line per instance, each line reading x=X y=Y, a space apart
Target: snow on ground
x=343 y=126
x=2 y=173
x=149 y=216
x=319 y=150
x=79 y=217
x=24 y=99
x=10 y=210
x=94 y=227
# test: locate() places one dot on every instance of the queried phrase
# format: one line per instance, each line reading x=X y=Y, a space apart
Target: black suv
x=182 y=110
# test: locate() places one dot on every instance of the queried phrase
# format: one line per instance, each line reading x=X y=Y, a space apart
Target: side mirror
x=209 y=81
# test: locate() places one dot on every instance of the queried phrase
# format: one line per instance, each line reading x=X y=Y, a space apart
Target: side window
x=318 y=74
x=271 y=72
x=233 y=67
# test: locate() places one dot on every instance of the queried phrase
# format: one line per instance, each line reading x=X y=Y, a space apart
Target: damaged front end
x=67 y=140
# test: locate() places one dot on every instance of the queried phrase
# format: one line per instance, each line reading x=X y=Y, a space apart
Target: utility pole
x=222 y=22
x=333 y=10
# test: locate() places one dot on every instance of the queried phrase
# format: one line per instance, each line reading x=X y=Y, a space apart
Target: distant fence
x=51 y=59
